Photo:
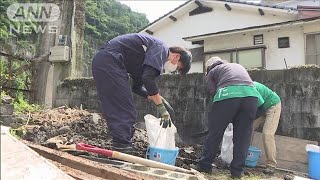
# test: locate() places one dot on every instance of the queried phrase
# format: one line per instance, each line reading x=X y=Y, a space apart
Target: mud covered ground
x=75 y=125
x=72 y=126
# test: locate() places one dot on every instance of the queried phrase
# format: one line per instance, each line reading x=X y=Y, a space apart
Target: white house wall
x=312 y=28
x=220 y=19
x=196 y=67
x=294 y=55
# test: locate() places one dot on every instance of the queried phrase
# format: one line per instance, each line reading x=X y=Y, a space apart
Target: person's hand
x=165 y=116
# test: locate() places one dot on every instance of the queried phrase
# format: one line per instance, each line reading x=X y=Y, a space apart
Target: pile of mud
x=77 y=125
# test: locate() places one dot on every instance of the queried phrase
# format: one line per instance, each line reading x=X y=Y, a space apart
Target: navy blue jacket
x=143 y=56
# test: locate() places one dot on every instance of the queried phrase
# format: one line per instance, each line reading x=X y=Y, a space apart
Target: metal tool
x=168 y=106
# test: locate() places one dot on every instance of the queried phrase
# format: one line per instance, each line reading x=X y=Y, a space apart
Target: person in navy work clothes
x=143 y=58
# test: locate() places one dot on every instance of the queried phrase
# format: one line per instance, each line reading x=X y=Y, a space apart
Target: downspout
x=73 y=44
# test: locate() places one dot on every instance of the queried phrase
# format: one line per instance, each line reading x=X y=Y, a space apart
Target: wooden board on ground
x=291 y=153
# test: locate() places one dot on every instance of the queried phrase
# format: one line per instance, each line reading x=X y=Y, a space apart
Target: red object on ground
x=94 y=149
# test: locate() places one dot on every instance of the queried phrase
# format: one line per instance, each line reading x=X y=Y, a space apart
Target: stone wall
x=6 y=110
x=299 y=90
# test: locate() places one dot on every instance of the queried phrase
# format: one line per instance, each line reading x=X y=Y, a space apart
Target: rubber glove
x=165 y=116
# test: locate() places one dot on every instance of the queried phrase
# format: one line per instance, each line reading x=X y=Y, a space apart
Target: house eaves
x=275 y=6
x=184 y=7
x=167 y=15
x=252 y=28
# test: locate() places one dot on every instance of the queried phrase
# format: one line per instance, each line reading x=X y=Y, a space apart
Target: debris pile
x=76 y=125
x=61 y=128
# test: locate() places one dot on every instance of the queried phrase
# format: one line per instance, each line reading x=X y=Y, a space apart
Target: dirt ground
x=77 y=125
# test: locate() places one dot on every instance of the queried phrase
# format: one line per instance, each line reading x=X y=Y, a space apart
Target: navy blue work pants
x=114 y=92
x=239 y=111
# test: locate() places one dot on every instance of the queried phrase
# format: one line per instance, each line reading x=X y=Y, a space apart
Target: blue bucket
x=167 y=156
x=253 y=156
x=314 y=164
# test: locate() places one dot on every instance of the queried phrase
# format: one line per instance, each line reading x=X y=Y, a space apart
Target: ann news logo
x=34 y=12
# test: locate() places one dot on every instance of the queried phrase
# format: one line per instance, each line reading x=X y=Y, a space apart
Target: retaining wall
x=298 y=88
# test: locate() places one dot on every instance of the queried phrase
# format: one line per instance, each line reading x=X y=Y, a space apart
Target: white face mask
x=168 y=66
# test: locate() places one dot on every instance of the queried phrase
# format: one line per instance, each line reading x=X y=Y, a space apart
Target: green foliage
x=8 y=27
x=18 y=132
x=105 y=20
x=19 y=80
x=22 y=106
x=2 y=94
x=109 y=18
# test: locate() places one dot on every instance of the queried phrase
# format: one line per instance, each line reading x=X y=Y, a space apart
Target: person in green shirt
x=270 y=118
x=234 y=100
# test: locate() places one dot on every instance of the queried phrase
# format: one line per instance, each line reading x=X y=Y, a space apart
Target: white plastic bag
x=312 y=147
x=227 y=145
x=159 y=137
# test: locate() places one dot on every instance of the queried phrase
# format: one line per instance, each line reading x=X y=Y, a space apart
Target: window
x=258 y=39
x=224 y=55
x=283 y=42
x=313 y=49
x=247 y=57
x=250 y=58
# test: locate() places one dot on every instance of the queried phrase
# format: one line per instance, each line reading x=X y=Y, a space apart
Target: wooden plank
x=291 y=153
x=95 y=168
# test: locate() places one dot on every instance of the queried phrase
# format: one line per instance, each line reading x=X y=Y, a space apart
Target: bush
x=22 y=106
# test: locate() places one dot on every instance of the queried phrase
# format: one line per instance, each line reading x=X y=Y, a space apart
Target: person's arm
x=138 y=88
x=260 y=111
x=212 y=87
x=148 y=78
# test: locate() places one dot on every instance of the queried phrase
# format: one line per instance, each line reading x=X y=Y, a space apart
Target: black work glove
x=167 y=105
x=165 y=116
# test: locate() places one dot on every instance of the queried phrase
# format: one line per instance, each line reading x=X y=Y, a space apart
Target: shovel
x=168 y=106
x=200 y=134
x=130 y=158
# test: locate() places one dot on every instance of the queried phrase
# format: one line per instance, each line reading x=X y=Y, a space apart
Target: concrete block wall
x=6 y=110
x=299 y=90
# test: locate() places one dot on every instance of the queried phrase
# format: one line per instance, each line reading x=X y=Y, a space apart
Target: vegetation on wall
x=12 y=32
x=104 y=20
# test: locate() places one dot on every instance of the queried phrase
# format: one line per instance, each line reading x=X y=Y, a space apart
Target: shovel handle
x=94 y=149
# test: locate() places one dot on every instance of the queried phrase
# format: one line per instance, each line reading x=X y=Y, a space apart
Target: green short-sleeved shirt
x=270 y=98
x=237 y=91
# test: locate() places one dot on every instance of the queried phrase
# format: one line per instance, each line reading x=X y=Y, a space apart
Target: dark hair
x=185 y=58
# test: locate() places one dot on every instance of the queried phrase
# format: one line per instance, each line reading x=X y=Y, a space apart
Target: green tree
x=105 y=20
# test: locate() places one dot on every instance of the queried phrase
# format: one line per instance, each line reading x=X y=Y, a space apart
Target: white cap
x=212 y=60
